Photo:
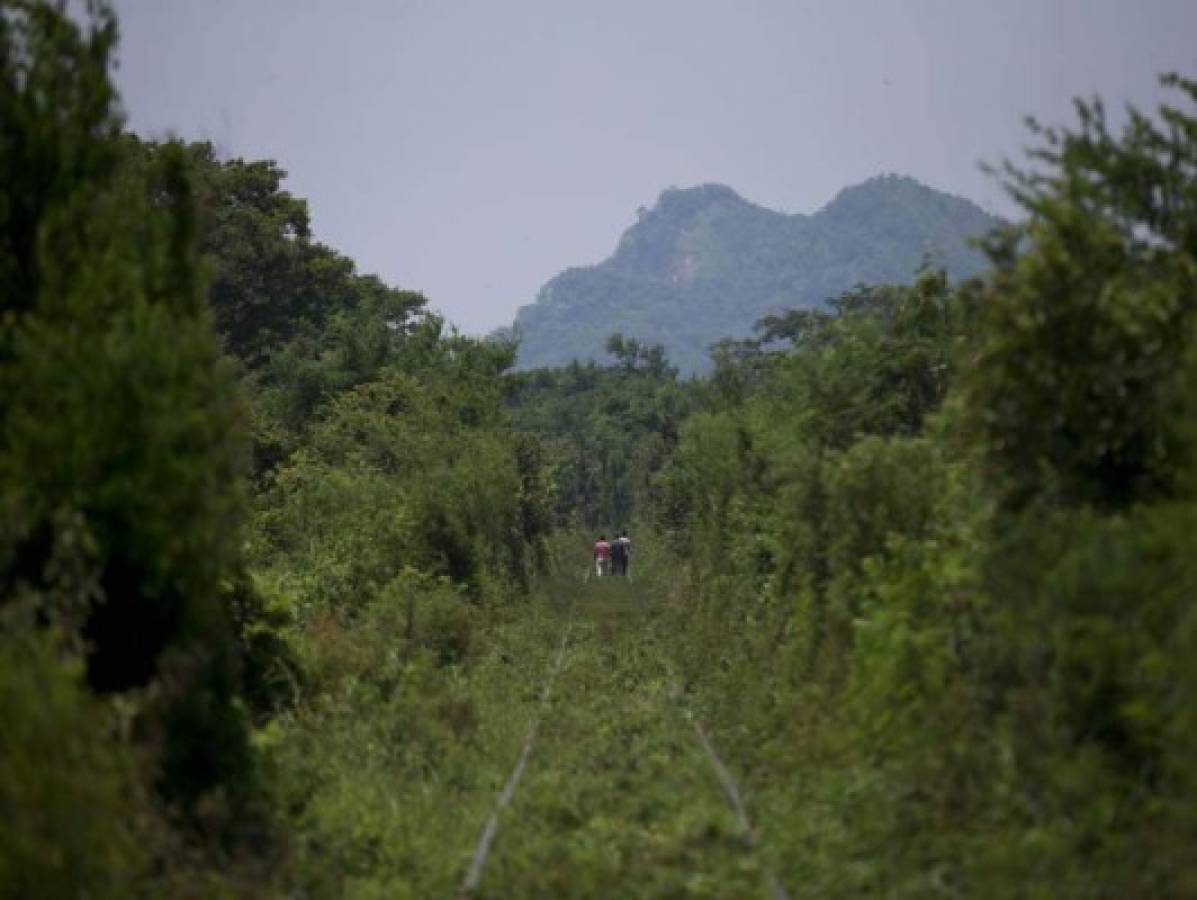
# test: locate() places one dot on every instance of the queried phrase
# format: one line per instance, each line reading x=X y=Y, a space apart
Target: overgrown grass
x=619 y=798
x=389 y=772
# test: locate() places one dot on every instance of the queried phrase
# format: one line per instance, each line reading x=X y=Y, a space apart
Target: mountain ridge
x=704 y=263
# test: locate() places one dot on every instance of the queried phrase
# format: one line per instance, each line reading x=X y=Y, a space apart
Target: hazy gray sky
x=472 y=149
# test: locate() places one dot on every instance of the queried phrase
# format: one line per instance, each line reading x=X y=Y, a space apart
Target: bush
x=67 y=783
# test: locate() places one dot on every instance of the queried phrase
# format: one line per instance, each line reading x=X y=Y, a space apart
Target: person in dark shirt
x=621 y=554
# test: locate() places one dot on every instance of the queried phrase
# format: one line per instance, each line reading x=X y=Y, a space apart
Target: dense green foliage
x=604 y=430
x=274 y=611
x=121 y=473
x=161 y=520
x=704 y=264
x=950 y=629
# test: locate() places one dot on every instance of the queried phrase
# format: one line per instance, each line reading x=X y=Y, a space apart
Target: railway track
x=486 y=839
x=618 y=789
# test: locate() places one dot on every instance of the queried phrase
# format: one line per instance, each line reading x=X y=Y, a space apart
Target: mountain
x=704 y=264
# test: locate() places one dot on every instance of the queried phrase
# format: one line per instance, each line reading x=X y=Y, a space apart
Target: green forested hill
x=705 y=264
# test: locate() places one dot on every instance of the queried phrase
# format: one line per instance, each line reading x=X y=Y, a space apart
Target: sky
x=471 y=149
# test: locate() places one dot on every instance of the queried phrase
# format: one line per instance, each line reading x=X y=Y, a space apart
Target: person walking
x=621 y=553
x=619 y=556
x=602 y=557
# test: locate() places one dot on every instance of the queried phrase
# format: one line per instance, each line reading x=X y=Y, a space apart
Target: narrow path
x=623 y=795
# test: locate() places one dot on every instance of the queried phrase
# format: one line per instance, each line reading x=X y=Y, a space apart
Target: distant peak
x=898 y=195
x=709 y=191
x=683 y=203
x=652 y=241
x=703 y=263
x=888 y=188
x=893 y=179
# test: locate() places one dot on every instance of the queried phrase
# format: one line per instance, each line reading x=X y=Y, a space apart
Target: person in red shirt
x=602 y=557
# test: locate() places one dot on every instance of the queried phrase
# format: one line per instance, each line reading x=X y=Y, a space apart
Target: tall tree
x=122 y=452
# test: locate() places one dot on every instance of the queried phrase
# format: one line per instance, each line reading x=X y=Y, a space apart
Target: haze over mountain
x=705 y=264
